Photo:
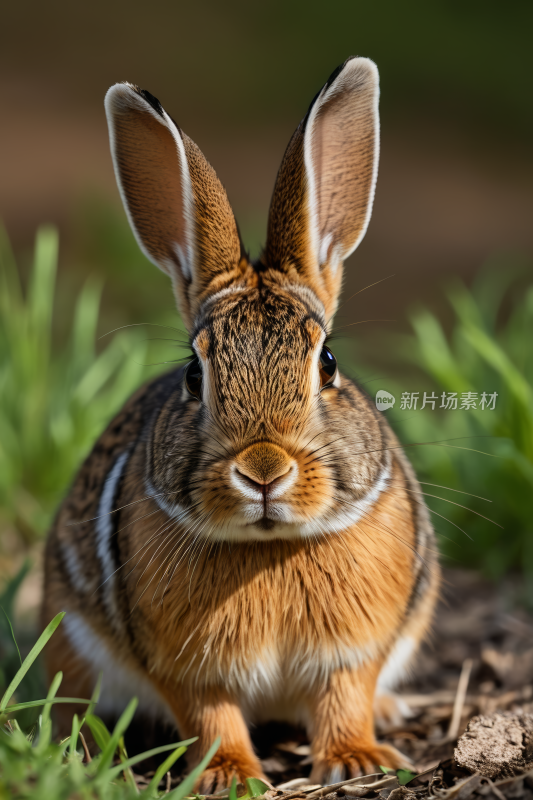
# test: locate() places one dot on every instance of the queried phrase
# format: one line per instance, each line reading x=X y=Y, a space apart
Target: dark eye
x=328 y=367
x=193 y=378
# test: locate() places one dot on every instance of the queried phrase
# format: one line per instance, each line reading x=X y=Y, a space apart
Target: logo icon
x=384 y=400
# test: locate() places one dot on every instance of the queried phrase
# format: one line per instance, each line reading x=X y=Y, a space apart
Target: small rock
x=497 y=745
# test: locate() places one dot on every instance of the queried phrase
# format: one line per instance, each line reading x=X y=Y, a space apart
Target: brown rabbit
x=247 y=540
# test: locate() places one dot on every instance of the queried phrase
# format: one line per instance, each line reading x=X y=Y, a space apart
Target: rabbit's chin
x=283 y=520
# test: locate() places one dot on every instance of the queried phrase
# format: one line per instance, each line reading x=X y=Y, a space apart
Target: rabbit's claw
x=220 y=775
x=359 y=761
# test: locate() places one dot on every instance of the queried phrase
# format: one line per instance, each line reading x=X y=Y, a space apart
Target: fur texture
x=259 y=547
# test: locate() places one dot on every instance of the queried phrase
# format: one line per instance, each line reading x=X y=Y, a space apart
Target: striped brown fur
x=259 y=547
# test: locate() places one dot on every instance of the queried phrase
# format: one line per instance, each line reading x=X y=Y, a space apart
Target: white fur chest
x=276 y=684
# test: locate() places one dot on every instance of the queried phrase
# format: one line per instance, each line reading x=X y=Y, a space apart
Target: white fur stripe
x=396 y=668
x=119 y=681
x=104 y=530
x=173 y=510
x=73 y=566
x=336 y=521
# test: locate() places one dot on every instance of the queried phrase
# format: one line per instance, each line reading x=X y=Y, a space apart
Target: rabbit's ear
x=177 y=207
x=325 y=186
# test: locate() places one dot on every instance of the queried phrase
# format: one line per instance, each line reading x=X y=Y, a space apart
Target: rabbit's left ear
x=177 y=207
x=324 y=191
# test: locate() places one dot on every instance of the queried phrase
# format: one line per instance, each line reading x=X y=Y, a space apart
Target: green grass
x=32 y=764
x=485 y=454
x=11 y=649
x=56 y=398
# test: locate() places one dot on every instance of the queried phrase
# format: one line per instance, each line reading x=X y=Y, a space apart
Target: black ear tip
x=332 y=78
x=334 y=75
x=150 y=99
x=336 y=72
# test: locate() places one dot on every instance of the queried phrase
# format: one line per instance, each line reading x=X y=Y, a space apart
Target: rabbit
x=247 y=540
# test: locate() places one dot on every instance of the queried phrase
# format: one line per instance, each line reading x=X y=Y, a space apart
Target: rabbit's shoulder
x=81 y=551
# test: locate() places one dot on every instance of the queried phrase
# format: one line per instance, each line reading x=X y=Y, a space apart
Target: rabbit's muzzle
x=263 y=472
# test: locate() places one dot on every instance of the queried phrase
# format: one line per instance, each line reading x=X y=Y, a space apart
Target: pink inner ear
x=152 y=185
x=342 y=148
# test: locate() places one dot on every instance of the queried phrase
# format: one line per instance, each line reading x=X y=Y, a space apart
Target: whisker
x=139 y=324
x=120 y=508
x=438 y=497
x=449 y=489
x=453 y=503
x=441 y=443
x=431 y=510
x=362 y=322
x=370 y=285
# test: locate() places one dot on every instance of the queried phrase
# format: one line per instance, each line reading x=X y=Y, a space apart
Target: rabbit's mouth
x=265 y=523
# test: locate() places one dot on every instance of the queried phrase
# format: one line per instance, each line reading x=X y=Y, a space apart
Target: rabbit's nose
x=260 y=465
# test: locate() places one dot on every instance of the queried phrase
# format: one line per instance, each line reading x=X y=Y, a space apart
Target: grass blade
x=12 y=634
x=85 y=323
x=256 y=787
x=74 y=734
x=186 y=785
x=45 y=723
x=112 y=773
x=96 y=694
x=8 y=596
x=168 y=763
x=404 y=776
x=54 y=687
x=109 y=750
x=101 y=735
x=30 y=658
x=128 y=774
x=42 y=282
x=37 y=703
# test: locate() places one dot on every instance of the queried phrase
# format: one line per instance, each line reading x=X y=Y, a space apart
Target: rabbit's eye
x=193 y=378
x=328 y=367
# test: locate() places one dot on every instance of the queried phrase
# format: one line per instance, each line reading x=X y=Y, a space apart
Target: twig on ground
x=460 y=697
x=495 y=791
x=383 y=782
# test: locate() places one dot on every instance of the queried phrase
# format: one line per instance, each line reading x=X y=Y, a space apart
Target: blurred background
x=450 y=241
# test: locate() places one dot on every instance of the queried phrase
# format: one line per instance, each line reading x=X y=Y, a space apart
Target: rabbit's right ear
x=325 y=186
x=177 y=207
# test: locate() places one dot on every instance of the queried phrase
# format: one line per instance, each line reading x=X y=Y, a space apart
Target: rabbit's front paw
x=219 y=775
x=362 y=760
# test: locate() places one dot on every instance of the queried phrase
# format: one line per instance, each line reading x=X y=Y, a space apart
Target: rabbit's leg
x=208 y=714
x=343 y=744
